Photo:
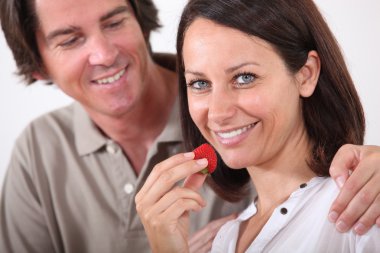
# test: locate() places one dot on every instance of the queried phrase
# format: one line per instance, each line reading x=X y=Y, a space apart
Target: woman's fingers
x=195 y=181
x=172 y=197
x=167 y=179
x=168 y=221
x=162 y=167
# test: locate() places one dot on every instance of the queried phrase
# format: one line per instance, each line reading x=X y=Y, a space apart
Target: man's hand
x=356 y=170
x=201 y=241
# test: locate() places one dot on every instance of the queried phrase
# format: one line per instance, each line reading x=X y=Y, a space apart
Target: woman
x=265 y=83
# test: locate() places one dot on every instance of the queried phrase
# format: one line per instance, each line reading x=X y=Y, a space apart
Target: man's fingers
x=369 y=218
x=358 y=201
x=201 y=240
x=346 y=159
x=360 y=177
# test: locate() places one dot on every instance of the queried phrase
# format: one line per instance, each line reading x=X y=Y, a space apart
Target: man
x=74 y=172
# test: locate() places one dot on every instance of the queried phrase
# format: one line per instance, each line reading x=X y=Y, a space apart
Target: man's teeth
x=111 y=79
x=234 y=133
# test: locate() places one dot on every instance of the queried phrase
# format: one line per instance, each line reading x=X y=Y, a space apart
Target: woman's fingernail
x=340 y=181
x=333 y=216
x=189 y=155
x=202 y=162
x=341 y=226
x=360 y=228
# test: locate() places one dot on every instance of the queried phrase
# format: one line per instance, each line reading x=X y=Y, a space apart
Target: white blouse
x=300 y=224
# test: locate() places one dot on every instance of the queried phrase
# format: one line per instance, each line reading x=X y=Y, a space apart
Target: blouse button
x=284 y=210
x=303 y=185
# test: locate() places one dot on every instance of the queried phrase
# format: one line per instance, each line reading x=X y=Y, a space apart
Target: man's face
x=95 y=51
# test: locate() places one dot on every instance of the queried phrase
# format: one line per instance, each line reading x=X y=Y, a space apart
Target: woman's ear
x=307 y=77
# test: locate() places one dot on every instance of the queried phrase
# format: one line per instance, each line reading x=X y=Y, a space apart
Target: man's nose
x=102 y=51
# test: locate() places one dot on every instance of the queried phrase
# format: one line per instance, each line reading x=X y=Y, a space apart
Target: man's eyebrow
x=59 y=32
x=73 y=29
x=114 y=12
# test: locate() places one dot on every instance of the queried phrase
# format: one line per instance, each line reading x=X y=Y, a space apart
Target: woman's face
x=241 y=96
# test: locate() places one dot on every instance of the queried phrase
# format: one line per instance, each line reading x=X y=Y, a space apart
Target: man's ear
x=307 y=77
x=38 y=76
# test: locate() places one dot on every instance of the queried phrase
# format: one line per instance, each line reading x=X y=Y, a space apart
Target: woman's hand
x=164 y=207
x=358 y=203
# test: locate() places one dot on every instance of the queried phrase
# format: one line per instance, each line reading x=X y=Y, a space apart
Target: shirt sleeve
x=23 y=224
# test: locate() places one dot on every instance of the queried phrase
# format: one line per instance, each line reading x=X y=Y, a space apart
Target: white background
x=355 y=24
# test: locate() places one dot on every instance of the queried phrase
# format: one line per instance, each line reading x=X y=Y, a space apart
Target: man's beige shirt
x=69 y=188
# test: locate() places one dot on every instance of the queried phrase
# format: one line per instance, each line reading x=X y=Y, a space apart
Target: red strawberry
x=206 y=151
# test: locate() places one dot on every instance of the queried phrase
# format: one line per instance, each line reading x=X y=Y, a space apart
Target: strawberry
x=206 y=151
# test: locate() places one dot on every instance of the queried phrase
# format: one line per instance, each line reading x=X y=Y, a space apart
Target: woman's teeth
x=234 y=133
x=111 y=79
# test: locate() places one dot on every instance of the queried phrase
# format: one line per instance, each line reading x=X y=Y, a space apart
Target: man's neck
x=136 y=130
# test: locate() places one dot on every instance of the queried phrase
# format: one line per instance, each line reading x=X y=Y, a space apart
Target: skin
x=248 y=106
x=106 y=42
x=242 y=92
x=222 y=99
x=80 y=52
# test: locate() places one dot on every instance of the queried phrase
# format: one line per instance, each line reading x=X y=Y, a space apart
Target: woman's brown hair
x=333 y=115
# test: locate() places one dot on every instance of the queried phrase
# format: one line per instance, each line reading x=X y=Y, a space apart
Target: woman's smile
x=234 y=136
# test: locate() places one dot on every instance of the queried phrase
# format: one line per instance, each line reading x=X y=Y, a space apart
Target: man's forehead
x=60 y=13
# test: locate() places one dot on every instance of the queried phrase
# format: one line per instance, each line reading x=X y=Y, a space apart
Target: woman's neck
x=277 y=178
x=275 y=181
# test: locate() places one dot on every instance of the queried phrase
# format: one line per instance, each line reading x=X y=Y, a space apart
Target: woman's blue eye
x=199 y=85
x=245 y=78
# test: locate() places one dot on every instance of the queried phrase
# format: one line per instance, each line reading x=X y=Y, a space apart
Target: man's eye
x=69 y=42
x=115 y=24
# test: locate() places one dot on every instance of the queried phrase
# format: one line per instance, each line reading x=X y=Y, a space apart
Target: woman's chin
x=235 y=165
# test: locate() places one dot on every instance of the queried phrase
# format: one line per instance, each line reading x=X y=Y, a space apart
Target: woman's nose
x=221 y=105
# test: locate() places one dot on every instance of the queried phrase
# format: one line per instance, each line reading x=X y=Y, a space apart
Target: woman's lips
x=234 y=136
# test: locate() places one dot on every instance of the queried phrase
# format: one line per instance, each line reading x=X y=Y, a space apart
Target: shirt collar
x=172 y=131
x=88 y=137
x=313 y=184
